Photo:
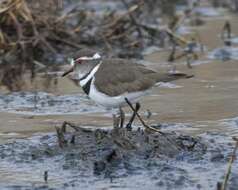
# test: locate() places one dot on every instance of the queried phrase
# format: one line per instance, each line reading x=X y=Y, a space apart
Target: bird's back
x=117 y=76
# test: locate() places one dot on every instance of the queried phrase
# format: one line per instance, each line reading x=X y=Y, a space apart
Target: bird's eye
x=78 y=61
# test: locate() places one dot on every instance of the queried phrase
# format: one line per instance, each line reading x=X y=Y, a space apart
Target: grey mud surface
x=117 y=159
x=100 y=159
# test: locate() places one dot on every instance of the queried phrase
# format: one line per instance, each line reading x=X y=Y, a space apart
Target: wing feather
x=117 y=76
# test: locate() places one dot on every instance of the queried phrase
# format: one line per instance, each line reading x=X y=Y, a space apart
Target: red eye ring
x=78 y=61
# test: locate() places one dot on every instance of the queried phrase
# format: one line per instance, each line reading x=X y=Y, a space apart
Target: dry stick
x=60 y=134
x=108 y=45
x=179 y=23
x=61 y=140
x=141 y=120
x=2 y=38
x=69 y=43
x=13 y=4
x=233 y=156
x=133 y=19
x=147 y=126
x=41 y=38
x=112 y=31
x=36 y=33
x=179 y=39
x=122 y=35
x=132 y=44
x=65 y=124
x=76 y=128
x=119 y=18
x=20 y=36
x=65 y=17
x=19 y=32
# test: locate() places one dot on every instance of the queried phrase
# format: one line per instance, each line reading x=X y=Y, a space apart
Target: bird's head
x=83 y=63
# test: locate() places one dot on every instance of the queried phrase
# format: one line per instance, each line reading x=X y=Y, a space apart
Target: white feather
x=84 y=81
x=115 y=101
x=95 y=56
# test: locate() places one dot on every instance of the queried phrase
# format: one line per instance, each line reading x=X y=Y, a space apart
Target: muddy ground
x=116 y=159
x=205 y=108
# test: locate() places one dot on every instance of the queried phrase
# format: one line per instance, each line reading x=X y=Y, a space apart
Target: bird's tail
x=167 y=77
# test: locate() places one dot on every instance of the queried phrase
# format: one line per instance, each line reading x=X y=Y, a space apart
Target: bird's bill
x=68 y=71
x=71 y=69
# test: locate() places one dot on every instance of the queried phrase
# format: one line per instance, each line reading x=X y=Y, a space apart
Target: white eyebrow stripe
x=95 y=56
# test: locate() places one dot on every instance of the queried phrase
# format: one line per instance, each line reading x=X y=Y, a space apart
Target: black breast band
x=86 y=87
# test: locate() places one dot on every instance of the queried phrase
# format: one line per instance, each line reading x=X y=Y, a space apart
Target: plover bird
x=112 y=83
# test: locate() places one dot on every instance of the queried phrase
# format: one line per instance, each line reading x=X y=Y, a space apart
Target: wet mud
x=193 y=153
x=112 y=158
x=116 y=159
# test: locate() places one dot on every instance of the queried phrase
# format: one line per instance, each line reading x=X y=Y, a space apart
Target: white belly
x=116 y=101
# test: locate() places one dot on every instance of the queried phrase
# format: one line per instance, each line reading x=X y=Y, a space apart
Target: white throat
x=90 y=75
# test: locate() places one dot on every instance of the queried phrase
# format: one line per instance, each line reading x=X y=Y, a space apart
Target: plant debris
x=37 y=36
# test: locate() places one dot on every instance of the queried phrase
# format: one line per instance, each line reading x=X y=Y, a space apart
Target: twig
x=124 y=34
x=141 y=120
x=41 y=38
x=109 y=47
x=119 y=18
x=233 y=157
x=133 y=19
x=61 y=140
x=19 y=33
x=65 y=124
x=149 y=127
x=13 y=4
x=179 y=22
x=179 y=39
x=69 y=43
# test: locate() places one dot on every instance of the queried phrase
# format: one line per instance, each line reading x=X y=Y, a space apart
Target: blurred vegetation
x=39 y=35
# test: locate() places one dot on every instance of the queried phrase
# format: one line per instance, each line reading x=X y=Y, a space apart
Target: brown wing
x=117 y=76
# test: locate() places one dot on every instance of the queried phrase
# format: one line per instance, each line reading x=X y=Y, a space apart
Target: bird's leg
x=171 y=57
x=141 y=120
x=122 y=117
x=128 y=126
x=188 y=56
x=115 y=121
x=145 y=125
x=118 y=118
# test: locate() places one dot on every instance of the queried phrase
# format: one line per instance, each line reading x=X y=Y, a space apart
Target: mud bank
x=116 y=159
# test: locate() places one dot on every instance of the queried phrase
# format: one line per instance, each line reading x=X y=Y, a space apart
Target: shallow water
x=42 y=103
x=205 y=105
x=224 y=53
